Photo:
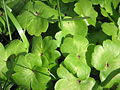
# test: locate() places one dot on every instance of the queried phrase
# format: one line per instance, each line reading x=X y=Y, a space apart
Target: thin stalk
x=66 y=19
x=8 y=26
x=59 y=13
x=19 y=28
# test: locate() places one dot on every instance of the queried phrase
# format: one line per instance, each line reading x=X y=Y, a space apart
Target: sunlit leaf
x=105 y=58
x=84 y=8
x=34 y=17
x=45 y=48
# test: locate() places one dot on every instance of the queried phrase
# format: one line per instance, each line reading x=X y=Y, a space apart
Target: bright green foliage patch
x=29 y=72
x=70 y=82
x=34 y=17
x=84 y=8
x=59 y=44
x=45 y=49
x=108 y=56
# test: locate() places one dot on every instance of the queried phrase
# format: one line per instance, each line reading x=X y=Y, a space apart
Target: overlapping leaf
x=69 y=82
x=84 y=8
x=75 y=62
x=105 y=58
x=19 y=47
x=76 y=45
x=46 y=49
x=3 y=59
x=29 y=73
x=34 y=17
x=74 y=27
x=77 y=66
x=107 y=4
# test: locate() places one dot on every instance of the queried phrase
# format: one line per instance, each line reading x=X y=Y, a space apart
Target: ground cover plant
x=59 y=44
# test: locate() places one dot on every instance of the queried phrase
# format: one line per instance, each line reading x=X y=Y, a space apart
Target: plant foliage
x=59 y=44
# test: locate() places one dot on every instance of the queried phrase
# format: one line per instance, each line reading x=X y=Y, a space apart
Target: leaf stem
x=8 y=26
x=19 y=28
x=59 y=13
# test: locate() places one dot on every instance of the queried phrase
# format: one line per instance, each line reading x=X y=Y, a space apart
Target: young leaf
x=109 y=29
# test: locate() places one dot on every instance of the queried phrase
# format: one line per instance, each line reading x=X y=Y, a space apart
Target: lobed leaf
x=105 y=58
x=29 y=73
x=84 y=8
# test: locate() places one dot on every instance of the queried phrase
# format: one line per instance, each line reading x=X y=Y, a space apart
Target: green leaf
x=12 y=3
x=107 y=5
x=45 y=48
x=29 y=73
x=67 y=1
x=3 y=59
x=62 y=72
x=115 y=3
x=34 y=25
x=96 y=2
x=77 y=66
x=76 y=45
x=74 y=84
x=89 y=52
x=104 y=12
x=75 y=27
x=53 y=2
x=84 y=8
x=105 y=58
x=109 y=29
x=118 y=23
x=34 y=17
x=19 y=47
x=2 y=21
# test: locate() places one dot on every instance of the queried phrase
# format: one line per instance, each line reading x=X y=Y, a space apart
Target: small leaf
x=109 y=28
